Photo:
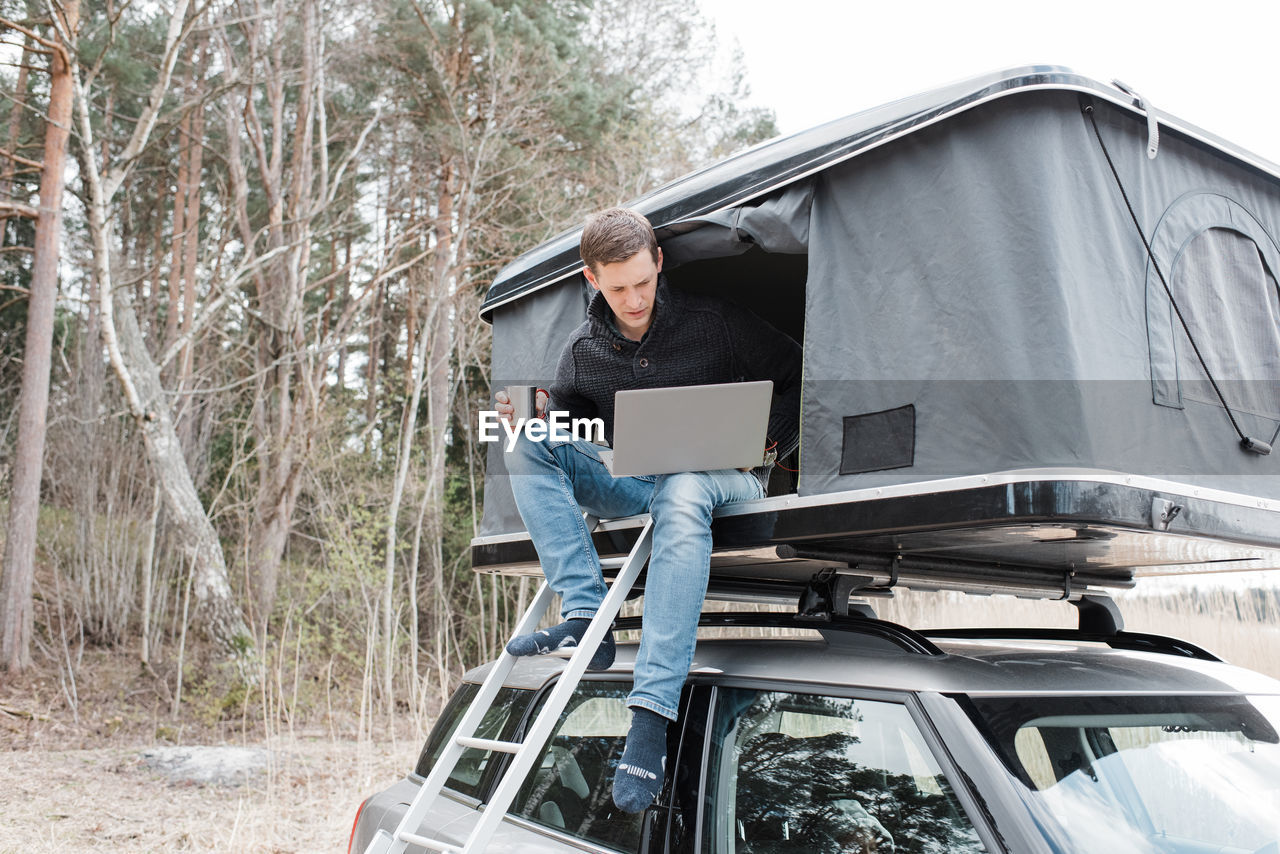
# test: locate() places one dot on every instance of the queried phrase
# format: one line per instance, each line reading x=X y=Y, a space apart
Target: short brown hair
x=615 y=235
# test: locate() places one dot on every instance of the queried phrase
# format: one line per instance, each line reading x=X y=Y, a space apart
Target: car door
x=807 y=773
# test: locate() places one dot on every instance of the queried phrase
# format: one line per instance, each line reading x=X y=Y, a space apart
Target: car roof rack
x=828 y=592
x=859 y=622
x=827 y=595
x=1138 y=641
x=824 y=605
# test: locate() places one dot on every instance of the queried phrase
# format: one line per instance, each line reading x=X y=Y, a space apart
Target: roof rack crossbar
x=883 y=571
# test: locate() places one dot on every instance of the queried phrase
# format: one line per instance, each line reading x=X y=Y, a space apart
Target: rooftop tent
x=977 y=307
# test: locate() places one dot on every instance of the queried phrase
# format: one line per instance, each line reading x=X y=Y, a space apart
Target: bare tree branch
x=33 y=35
x=352 y=154
x=18 y=209
x=18 y=158
x=211 y=309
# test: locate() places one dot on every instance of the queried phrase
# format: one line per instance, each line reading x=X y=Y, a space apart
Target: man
x=639 y=333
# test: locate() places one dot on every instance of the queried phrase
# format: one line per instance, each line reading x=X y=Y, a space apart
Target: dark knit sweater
x=693 y=340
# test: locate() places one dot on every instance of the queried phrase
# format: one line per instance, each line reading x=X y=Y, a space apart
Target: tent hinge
x=1153 y=126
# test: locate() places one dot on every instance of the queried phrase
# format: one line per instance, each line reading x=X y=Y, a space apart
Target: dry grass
x=72 y=775
x=107 y=799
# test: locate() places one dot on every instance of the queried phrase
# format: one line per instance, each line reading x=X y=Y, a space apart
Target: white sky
x=1213 y=64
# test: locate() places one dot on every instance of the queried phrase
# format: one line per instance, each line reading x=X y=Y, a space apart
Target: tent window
x=1231 y=303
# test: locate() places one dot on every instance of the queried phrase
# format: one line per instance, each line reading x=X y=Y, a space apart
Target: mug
x=525 y=400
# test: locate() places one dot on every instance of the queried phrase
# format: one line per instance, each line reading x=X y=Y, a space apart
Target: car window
x=499 y=722
x=806 y=774
x=1146 y=774
x=571 y=788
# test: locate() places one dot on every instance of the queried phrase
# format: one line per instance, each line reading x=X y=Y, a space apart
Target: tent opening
x=770 y=284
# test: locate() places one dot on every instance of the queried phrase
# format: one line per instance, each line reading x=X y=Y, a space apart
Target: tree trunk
x=33 y=402
x=15 y=124
x=216 y=610
x=289 y=397
x=193 y=161
x=179 y=227
x=404 y=456
x=139 y=376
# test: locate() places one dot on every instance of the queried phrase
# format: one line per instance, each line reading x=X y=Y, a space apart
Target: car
x=1018 y=378
x=860 y=735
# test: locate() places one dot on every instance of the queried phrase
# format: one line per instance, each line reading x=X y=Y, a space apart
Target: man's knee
x=683 y=490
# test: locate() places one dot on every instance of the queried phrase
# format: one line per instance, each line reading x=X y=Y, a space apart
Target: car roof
x=968 y=666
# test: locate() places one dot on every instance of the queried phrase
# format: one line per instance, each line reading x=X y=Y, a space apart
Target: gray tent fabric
x=986 y=273
x=778 y=223
x=528 y=336
x=978 y=300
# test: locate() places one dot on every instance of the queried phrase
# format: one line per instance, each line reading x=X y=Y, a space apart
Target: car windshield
x=1164 y=775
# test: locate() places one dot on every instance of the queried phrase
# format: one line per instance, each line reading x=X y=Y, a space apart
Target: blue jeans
x=554 y=482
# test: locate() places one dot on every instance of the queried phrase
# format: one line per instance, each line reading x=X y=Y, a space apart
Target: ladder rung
x=538 y=733
x=432 y=844
x=612 y=562
x=489 y=744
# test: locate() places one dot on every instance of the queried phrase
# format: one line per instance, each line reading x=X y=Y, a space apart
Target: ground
x=96 y=768
x=109 y=799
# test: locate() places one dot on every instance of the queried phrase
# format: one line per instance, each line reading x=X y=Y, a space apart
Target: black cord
x=1245 y=442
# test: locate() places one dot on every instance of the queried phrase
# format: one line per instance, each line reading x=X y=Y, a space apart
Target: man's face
x=629 y=287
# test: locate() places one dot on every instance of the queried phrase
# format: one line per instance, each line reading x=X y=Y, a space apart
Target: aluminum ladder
x=526 y=753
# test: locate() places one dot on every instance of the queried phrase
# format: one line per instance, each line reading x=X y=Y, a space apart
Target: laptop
x=689 y=428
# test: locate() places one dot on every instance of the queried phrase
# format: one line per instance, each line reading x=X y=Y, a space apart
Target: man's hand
x=770 y=455
x=506 y=410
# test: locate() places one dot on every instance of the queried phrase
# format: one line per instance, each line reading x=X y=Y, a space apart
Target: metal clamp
x=1163 y=511
x=827 y=595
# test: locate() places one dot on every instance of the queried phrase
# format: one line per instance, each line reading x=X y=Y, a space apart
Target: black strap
x=1247 y=443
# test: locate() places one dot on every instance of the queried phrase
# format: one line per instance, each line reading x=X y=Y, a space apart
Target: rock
x=216 y=766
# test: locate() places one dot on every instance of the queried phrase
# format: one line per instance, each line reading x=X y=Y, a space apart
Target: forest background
x=242 y=247
x=257 y=320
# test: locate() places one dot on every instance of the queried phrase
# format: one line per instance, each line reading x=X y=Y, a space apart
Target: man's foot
x=639 y=776
x=567 y=635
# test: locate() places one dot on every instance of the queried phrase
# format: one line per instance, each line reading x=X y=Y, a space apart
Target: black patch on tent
x=875 y=441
